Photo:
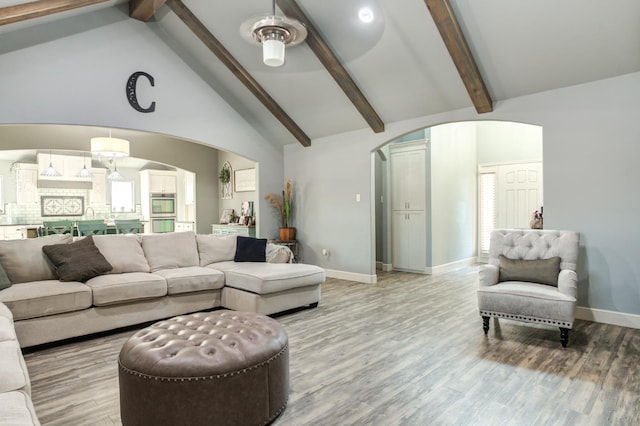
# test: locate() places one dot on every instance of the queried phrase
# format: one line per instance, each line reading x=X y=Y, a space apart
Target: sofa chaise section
x=268 y=288
x=16 y=408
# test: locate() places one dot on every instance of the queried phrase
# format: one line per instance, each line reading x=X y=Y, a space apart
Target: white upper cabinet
x=158 y=182
x=67 y=165
x=408 y=177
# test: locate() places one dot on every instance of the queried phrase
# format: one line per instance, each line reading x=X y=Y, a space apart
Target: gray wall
x=74 y=72
x=590 y=172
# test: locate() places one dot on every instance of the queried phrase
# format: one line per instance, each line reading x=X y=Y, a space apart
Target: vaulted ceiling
x=416 y=58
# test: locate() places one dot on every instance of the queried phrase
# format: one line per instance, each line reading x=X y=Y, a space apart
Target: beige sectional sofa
x=145 y=278
x=153 y=276
x=16 y=408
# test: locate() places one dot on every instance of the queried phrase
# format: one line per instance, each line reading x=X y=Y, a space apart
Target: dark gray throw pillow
x=77 y=261
x=542 y=271
x=250 y=249
x=4 y=279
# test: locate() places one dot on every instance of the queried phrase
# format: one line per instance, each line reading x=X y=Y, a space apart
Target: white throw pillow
x=170 y=250
x=215 y=248
x=123 y=252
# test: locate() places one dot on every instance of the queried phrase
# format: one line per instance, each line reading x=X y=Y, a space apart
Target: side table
x=293 y=246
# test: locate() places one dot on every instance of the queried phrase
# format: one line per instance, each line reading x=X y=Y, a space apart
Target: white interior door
x=519 y=192
x=507 y=194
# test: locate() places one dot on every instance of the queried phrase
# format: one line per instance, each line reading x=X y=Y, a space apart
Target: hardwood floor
x=407 y=351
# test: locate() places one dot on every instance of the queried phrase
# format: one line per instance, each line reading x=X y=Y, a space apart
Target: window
x=487 y=209
x=122 y=197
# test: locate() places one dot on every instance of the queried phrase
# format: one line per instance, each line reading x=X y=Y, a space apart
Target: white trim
x=448 y=267
x=384 y=267
x=608 y=317
x=351 y=276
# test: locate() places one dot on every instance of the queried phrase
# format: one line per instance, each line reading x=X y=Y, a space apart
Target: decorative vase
x=287 y=234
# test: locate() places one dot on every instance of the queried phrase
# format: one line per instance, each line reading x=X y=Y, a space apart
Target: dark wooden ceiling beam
x=143 y=10
x=37 y=9
x=459 y=50
x=334 y=67
x=198 y=28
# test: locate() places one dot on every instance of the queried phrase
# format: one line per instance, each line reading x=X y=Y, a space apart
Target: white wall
x=453 y=192
x=78 y=76
x=504 y=141
x=590 y=159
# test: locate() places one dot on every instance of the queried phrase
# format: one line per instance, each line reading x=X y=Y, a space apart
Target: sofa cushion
x=77 y=261
x=265 y=278
x=123 y=252
x=16 y=409
x=7 y=331
x=24 y=260
x=11 y=370
x=541 y=271
x=47 y=297
x=215 y=248
x=250 y=249
x=170 y=250
x=112 y=289
x=192 y=278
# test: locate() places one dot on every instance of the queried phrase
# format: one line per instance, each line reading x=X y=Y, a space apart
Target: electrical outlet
x=357 y=198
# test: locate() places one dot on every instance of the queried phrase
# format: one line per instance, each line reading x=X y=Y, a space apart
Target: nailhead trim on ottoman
x=221 y=367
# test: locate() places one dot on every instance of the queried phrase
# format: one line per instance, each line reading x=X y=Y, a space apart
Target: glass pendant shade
x=50 y=171
x=273 y=52
x=115 y=174
x=85 y=173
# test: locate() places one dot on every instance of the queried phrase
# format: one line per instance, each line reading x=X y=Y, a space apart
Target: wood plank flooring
x=407 y=351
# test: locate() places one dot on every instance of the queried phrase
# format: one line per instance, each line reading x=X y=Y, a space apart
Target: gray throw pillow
x=4 y=279
x=542 y=271
x=77 y=261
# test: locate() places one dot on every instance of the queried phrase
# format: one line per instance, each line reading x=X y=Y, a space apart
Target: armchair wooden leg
x=485 y=324
x=564 y=336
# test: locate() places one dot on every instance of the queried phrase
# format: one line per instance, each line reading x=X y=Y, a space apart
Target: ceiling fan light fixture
x=273 y=50
x=274 y=33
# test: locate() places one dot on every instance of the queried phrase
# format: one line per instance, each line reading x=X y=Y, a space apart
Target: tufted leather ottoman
x=221 y=367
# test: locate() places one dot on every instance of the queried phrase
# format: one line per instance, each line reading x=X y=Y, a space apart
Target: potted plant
x=284 y=207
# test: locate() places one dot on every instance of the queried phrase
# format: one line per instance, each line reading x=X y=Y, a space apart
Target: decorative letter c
x=131 y=91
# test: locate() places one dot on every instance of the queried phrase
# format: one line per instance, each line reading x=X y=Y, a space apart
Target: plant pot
x=287 y=234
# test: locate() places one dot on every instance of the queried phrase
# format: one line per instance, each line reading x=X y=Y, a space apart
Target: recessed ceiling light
x=366 y=15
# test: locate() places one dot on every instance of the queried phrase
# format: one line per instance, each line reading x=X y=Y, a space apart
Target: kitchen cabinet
x=27 y=183
x=11 y=232
x=67 y=165
x=408 y=201
x=158 y=182
x=408 y=177
x=184 y=226
x=98 y=192
x=409 y=242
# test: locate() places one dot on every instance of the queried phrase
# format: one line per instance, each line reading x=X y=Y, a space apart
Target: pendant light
x=50 y=171
x=274 y=33
x=115 y=174
x=85 y=173
x=109 y=147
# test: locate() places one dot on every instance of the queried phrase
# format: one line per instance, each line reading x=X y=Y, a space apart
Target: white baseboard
x=384 y=267
x=351 y=276
x=608 y=317
x=448 y=267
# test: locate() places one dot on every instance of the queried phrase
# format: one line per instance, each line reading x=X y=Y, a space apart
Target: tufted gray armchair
x=531 y=276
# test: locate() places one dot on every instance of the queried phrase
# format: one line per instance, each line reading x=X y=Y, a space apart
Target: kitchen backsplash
x=32 y=213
